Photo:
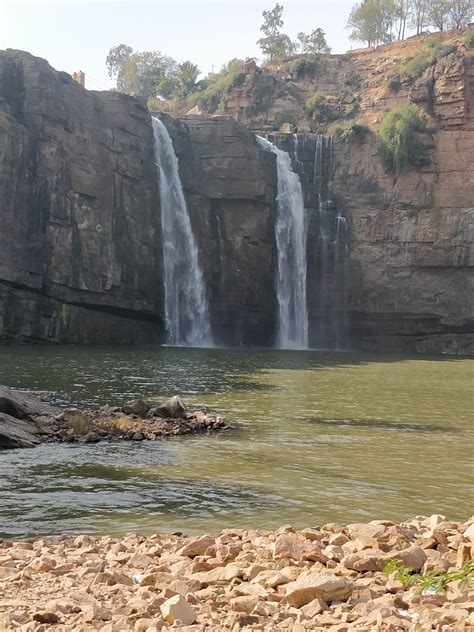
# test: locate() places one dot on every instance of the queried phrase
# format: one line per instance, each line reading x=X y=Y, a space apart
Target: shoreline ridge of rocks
x=325 y=578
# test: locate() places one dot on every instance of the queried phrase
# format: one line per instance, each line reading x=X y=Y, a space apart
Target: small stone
x=46 y=617
x=245 y=603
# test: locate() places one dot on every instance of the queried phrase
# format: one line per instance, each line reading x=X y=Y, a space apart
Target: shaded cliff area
x=80 y=259
x=80 y=246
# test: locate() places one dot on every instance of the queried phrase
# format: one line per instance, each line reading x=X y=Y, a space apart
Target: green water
x=318 y=437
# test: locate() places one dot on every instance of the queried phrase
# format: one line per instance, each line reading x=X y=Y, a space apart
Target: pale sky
x=77 y=34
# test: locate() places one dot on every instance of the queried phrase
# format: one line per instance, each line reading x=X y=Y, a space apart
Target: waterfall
x=290 y=233
x=333 y=323
x=186 y=308
x=221 y=255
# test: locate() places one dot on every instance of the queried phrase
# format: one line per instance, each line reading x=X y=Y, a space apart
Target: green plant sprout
x=432 y=582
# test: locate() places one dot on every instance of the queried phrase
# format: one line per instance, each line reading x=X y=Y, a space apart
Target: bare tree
x=438 y=13
x=403 y=12
x=419 y=14
x=461 y=13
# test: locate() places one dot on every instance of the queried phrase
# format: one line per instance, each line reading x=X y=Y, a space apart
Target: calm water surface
x=318 y=437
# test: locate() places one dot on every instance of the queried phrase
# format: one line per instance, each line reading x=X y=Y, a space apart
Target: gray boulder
x=173 y=408
x=17 y=433
x=21 y=406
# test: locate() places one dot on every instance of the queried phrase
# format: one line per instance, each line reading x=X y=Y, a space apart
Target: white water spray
x=186 y=308
x=290 y=232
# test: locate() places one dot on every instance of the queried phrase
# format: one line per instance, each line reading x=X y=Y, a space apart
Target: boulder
x=177 y=609
x=288 y=546
x=173 y=408
x=197 y=546
x=138 y=407
x=17 y=433
x=23 y=406
x=414 y=557
x=325 y=586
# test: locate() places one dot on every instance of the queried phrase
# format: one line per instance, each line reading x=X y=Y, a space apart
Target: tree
x=116 y=58
x=438 y=13
x=403 y=10
x=419 y=15
x=372 y=21
x=187 y=78
x=149 y=74
x=313 y=43
x=275 y=45
x=461 y=13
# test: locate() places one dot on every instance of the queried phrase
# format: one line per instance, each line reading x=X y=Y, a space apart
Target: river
x=317 y=437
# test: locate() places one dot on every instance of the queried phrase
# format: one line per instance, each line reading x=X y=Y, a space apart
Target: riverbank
x=321 y=578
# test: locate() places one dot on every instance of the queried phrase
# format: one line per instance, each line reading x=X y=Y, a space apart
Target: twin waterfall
x=186 y=307
x=290 y=233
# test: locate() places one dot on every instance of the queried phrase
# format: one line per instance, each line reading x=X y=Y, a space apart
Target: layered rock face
x=80 y=256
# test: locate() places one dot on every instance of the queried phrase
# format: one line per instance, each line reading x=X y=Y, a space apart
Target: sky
x=77 y=34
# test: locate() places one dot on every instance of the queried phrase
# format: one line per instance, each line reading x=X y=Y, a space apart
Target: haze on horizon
x=77 y=35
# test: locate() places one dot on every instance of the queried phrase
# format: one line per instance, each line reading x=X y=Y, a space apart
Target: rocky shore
x=25 y=421
x=323 y=578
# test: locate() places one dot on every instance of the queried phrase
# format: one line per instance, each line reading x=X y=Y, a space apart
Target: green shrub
x=354 y=80
x=262 y=92
x=468 y=40
x=401 y=146
x=432 y=51
x=348 y=131
x=319 y=108
x=238 y=79
x=286 y=116
x=351 y=109
x=303 y=67
x=394 y=84
x=213 y=91
x=416 y=66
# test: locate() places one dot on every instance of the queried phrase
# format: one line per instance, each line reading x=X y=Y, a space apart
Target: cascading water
x=186 y=308
x=290 y=232
x=332 y=262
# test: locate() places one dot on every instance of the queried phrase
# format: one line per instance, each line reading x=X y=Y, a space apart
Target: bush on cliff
x=214 y=90
x=401 y=145
x=304 y=66
x=469 y=40
x=320 y=108
x=348 y=131
x=432 y=52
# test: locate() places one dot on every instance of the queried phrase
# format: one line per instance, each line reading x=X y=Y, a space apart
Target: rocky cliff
x=80 y=259
x=80 y=249
x=80 y=246
x=411 y=258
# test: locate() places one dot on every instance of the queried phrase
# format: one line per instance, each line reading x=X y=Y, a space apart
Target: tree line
x=151 y=74
x=383 y=21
